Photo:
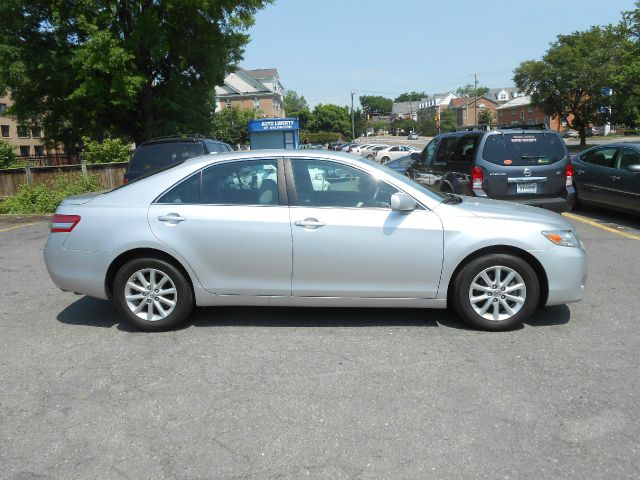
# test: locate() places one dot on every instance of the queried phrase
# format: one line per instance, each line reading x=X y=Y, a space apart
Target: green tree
x=486 y=117
x=411 y=97
x=404 y=126
x=570 y=78
x=624 y=81
x=448 y=121
x=302 y=115
x=330 y=118
x=376 y=105
x=359 y=122
x=128 y=69
x=229 y=125
x=470 y=91
x=294 y=102
x=8 y=157
x=108 y=151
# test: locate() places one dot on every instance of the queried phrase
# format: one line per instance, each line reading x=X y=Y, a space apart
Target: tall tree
x=571 y=78
x=230 y=125
x=624 y=82
x=294 y=102
x=330 y=118
x=411 y=97
x=134 y=68
x=376 y=105
x=469 y=90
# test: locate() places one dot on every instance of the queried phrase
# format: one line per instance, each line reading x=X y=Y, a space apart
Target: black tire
x=183 y=296
x=445 y=188
x=462 y=292
x=385 y=159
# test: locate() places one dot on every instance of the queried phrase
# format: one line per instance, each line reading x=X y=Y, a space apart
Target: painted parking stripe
x=600 y=226
x=19 y=226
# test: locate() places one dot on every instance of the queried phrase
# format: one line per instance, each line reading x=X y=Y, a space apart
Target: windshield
x=436 y=194
x=522 y=149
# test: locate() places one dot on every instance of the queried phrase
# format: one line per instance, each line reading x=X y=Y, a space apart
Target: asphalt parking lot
x=263 y=393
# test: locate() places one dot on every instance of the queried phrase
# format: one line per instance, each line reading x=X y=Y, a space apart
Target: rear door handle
x=615 y=178
x=309 y=223
x=580 y=172
x=171 y=218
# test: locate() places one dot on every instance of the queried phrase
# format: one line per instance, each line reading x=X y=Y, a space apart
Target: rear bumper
x=563 y=203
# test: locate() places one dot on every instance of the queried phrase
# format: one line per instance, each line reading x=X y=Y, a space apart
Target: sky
x=324 y=49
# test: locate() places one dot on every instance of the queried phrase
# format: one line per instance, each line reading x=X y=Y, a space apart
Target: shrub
x=631 y=133
x=8 y=157
x=111 y=150
x=42 y=199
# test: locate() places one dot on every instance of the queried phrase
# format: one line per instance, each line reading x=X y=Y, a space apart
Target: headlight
x=565 y=238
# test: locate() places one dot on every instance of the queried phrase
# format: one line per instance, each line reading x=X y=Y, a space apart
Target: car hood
x=487 y=208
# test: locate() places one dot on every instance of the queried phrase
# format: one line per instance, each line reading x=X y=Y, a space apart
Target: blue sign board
x=274 y=124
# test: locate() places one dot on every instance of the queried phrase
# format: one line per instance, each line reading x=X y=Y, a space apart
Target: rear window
x=523 y=149
x=149 y=158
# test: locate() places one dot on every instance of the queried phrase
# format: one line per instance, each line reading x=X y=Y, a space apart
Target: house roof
x=516 y=102
x=241 y=82
x=457 y=102
x=262 y=73
x=400 y=108
x=492 y=94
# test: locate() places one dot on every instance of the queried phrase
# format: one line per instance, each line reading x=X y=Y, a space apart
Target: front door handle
x=615 y=178
x=580 y=172
x=309 y=223
x=171 y=218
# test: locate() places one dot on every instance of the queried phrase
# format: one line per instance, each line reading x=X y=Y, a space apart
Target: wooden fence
x=109 y=175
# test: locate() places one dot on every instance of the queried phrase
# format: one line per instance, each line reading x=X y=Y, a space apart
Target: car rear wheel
x=385 y=159
x=152 y=294
x=496 y=292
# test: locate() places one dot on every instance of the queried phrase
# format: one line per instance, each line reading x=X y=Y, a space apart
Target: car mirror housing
x=402 y=202
x=634 y=168
x=415 y=156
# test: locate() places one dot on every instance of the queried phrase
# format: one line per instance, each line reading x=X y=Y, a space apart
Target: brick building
x=520 y=111
x=258 y=90
x=467 y=114
x=25 y=140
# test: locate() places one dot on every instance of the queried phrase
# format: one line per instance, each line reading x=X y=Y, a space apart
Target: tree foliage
x=376 y=105
x=470 y=91
x=330 y=118
x=8 y=157
x=411 y=96
x=130 y=69
x=294 y=102
x=229 y=125
x=570 y=78
x=486 y=117
x=110 y=150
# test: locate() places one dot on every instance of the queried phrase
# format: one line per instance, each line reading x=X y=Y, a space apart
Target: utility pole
x=353 y=124
x=475 y=103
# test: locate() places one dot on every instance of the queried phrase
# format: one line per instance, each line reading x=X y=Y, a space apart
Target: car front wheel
x=496 y=292
x=152 y=294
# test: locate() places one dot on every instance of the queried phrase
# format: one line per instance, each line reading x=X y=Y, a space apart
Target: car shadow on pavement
x=94 y=312
x=609 y=217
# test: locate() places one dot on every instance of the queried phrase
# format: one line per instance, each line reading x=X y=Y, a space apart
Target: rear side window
x=466 y=149
x=524 y=149
x=149 y=158
x=446 y=149
x=215 y=147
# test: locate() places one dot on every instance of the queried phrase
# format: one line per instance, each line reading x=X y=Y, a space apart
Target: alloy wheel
x=150 y=294
x=497 y=293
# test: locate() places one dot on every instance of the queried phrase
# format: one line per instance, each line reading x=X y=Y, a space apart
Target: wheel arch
x=543 y=281
x=124 y=257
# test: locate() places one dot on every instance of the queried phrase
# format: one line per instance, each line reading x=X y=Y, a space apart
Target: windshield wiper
x=452 y=198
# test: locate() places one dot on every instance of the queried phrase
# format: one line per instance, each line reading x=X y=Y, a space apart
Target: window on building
x=23 y=132
x=513 y=112
x=228 y=103
x=530 y=121
x=530 y=108
x=36 y=132
x=276 y=105
x=24 y=150
x=256 y=104
x=3 y=108
x=5 y=130
x=503 y=96
x=522 y=116
x=38 y=150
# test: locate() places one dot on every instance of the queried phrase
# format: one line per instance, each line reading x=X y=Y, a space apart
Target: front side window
x=322 y=183
x=627 y=158
x=466 y=149
x=446 y=149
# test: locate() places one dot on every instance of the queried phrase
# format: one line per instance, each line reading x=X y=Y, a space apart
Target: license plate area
x=527 y=188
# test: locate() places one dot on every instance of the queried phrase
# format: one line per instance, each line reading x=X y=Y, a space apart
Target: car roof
x=178 y=139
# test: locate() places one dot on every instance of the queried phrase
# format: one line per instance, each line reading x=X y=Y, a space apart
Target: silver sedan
x=309 y=228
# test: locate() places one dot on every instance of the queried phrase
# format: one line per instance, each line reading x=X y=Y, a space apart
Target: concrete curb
x=8 y=219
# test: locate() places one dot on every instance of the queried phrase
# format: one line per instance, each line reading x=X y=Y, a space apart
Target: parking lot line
x=600 y=226
x=19 y=226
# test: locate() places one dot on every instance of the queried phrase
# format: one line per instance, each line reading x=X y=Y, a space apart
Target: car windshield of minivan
x=523 y=149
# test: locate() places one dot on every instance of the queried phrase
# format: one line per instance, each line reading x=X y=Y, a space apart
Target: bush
x=8 y=157
x=110 y=150
x=42 y=199
x=319 y=137
x=631 y=133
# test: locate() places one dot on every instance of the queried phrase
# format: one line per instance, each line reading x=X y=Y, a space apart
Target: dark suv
x=162 y=152
x=529 y=165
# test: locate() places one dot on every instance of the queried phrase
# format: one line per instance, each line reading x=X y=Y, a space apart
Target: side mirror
x=402 y=202
x=415 y=156
x=634 y=168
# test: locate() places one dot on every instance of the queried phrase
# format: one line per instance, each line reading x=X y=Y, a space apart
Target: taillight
x=125 y=181
x=477 y=178
x=569 y=180
x=64 y=223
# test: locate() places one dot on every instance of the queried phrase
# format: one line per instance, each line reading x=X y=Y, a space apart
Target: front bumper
x=566 y=269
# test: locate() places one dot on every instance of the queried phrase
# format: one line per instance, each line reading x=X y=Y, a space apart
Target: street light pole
x=353 y=124
x=475 y=104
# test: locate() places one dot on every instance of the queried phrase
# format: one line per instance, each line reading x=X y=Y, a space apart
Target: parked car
x=252 y=228
x=396 y=151
x=412 y=136
x=357 y=148
x=609 y=176
x=159 y=153
x=370 y=151
x=570 y=133
x=524 y=165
